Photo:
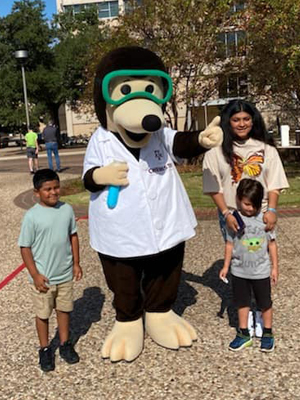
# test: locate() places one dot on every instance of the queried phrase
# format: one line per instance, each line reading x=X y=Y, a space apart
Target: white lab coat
x=153 y=212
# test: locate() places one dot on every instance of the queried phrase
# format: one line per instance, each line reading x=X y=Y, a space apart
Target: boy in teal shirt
x=50 y=250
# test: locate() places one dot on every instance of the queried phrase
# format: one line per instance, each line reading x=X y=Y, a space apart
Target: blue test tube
x=113 y=195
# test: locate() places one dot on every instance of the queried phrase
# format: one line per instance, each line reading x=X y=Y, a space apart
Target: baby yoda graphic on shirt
x=250 y=258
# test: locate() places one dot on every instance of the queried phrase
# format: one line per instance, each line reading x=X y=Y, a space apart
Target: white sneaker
x=259 y=324
x=251 y=323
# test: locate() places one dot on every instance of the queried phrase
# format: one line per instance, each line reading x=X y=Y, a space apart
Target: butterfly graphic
x=250 y=166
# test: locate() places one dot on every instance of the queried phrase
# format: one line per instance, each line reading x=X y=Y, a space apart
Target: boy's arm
x=274 y=260
x=77 y=271
x=38 y=279
x=227 y=259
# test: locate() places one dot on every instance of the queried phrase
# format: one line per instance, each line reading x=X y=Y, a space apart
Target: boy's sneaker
x=46 y=359
x=267 y=343
x=68 y=353
x=259 y=324
x=251 y=323
x=241 y=341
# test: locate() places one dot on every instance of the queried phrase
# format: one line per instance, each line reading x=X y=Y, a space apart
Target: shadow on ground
x=87 y=310
x=187 y=294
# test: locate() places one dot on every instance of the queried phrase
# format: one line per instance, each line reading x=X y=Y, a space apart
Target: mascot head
x=130 y=91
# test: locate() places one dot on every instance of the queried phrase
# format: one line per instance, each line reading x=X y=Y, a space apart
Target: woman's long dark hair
x=258 y=131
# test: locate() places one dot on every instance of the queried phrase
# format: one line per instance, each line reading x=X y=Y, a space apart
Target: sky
x=6 y=6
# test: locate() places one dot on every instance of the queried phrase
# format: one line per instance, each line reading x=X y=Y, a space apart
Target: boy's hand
x=77 y=272
x=223 y=273
x=40 y=281
x=274 y=276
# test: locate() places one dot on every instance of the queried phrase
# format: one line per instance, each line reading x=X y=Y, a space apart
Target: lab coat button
x=152 y=195
x=158 y=225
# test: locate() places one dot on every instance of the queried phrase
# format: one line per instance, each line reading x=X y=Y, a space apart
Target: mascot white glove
x=113 y=174
x=212 y=136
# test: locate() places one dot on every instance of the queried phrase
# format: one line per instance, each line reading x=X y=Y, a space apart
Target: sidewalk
x=15 y=153
x=206 y=371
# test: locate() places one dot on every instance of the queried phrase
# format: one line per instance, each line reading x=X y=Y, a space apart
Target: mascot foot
x=125 y=341
x=169 y=330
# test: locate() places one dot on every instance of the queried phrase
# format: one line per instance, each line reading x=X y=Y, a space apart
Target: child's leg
x=63 y=321
x=267 y=317
x=243 y=313
x=42 y=327
x=262 y=292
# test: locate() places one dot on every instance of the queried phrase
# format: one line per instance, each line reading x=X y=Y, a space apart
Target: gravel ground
x=205 y=371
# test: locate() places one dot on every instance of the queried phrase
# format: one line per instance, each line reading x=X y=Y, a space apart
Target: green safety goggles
x=143 y=94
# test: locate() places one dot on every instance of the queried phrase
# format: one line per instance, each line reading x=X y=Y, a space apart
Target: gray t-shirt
x=47 y=230
x=50 y=134
x=250 y=257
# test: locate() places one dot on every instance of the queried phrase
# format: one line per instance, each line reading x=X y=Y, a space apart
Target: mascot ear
x=99 y=102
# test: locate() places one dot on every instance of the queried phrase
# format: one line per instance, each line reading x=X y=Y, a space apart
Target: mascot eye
x=125 y=89
x=149 y=89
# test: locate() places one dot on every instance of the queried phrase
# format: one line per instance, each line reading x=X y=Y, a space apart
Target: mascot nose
x=151 y=123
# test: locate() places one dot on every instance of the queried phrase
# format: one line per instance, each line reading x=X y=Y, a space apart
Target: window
x=238 y=6
x=234 y=85
x=108 y=9
x=231 y=44
x=128 y=5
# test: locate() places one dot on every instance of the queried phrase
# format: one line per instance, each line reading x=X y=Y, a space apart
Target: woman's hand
x=232 y=223
x=270 y=219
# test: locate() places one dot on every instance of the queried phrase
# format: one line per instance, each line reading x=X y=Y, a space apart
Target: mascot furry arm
x=141 y=241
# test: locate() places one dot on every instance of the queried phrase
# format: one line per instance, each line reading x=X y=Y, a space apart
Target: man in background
x=51 y=138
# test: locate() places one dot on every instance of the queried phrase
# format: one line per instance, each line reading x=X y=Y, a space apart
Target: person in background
x=50 y=250
x=252 y=254
x=51 y=138
x=32 y=150
x=247 y=151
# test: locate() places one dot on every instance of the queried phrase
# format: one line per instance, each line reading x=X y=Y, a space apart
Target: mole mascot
x=140 y=215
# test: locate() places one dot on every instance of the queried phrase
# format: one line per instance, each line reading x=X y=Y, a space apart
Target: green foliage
x=274 y=50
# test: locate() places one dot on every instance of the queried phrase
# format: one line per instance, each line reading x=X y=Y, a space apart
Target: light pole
x=22 y=55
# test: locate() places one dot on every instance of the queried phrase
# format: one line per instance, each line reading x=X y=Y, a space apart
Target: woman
x=247 y=151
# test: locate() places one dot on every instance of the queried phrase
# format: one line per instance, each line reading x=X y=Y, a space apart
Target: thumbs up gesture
x=212 y=136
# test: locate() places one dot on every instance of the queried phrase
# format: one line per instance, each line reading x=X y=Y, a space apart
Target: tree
x=273 y=54
x=56 y=65
x=25 y=28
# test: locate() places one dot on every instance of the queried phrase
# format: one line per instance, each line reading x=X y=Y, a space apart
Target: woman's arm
x=219 y=201
x=270 y=217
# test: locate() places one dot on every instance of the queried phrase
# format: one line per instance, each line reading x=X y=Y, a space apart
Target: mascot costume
x=139 y=214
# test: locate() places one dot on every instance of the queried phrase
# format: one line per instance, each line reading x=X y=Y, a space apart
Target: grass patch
x=73 y=191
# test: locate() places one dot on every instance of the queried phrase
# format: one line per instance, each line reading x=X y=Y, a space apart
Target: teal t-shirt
x=47 y=230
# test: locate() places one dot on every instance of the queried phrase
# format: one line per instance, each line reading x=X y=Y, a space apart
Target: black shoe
x=67 y=353
x=32 y=172
x=46 y=357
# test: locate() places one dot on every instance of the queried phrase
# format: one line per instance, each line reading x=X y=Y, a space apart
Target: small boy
x=50 y=250
x=252 y=253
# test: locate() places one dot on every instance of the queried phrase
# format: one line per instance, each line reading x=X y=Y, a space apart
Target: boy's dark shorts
x=242 y=289
x=58 y=297
x=30 y=151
